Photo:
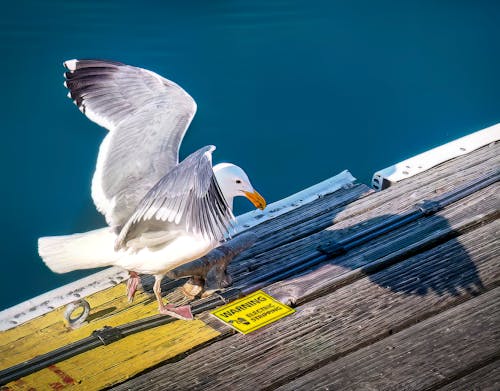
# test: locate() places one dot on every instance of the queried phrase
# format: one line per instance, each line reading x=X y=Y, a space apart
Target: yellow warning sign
x=252 y=312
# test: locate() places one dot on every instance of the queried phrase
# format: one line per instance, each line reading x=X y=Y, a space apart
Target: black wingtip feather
x=87 y=80
x=88 y=76
x=89 y=72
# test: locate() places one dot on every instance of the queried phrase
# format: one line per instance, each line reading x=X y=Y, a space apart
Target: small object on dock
x=209 y=273
x=108 y=334
x=81 y=317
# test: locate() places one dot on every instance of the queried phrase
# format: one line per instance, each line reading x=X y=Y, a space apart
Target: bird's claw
x=193 y=287
x=182 y=312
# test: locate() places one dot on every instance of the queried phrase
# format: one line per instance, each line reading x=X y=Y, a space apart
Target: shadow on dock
x=441 y=265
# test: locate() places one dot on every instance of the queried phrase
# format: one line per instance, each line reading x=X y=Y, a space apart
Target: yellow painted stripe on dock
x=105 y=365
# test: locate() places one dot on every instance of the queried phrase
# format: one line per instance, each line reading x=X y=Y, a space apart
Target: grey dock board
x=333 y=325
x=477 y=207
x=368 y=210
x=303 y=221
x=422 y=357
x=383 y=252
x=486 y=378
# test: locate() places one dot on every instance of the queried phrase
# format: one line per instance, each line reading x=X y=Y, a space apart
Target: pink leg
x=182 y=312
x=132 y=284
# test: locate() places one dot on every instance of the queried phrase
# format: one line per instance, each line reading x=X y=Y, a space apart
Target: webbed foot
x=132 y=284
x=182 y=312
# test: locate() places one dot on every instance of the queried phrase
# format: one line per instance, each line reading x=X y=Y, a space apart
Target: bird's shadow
x=420 y=273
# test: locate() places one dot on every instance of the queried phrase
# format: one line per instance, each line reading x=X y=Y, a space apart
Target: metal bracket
x=108 y=334
x=428 y=207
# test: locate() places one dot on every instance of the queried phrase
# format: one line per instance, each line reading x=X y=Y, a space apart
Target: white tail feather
x=87 y=250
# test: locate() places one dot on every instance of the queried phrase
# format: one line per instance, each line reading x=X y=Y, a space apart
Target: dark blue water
x=293 y=91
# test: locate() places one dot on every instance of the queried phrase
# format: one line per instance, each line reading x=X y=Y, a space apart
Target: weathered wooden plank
x=23 y=342
x=438 y=180
x=486 y=378
x=333 y=325
x=478 y=209
x=422 y=357
x=106 y=365
x=394 y=200
x=303 y=221
x=483 y=202
x=117 y=361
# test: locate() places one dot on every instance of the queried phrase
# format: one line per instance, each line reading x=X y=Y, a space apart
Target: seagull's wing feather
x=188 y=196
x=147 y=116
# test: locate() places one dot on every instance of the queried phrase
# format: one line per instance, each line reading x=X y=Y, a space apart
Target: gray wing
x=147 y=116
x=188 y=196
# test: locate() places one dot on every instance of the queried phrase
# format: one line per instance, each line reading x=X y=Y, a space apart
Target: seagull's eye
x=238 y=181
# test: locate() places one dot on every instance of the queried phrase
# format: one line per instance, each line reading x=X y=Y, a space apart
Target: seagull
x=161 y=213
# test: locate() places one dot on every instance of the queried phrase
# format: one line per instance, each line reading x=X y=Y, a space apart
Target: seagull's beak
x=256 y=199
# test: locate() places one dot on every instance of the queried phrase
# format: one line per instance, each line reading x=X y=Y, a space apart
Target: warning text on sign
x=252 y=312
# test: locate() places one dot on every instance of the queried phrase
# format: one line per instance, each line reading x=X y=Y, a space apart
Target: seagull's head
x=234 y=182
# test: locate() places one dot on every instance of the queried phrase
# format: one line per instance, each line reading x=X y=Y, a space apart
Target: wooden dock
x=414 y=308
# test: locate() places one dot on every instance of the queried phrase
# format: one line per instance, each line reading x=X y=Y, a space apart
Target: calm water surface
x=293 y=91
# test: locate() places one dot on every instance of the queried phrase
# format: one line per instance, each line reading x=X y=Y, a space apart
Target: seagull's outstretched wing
x=188 y=196
x=147 y=116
